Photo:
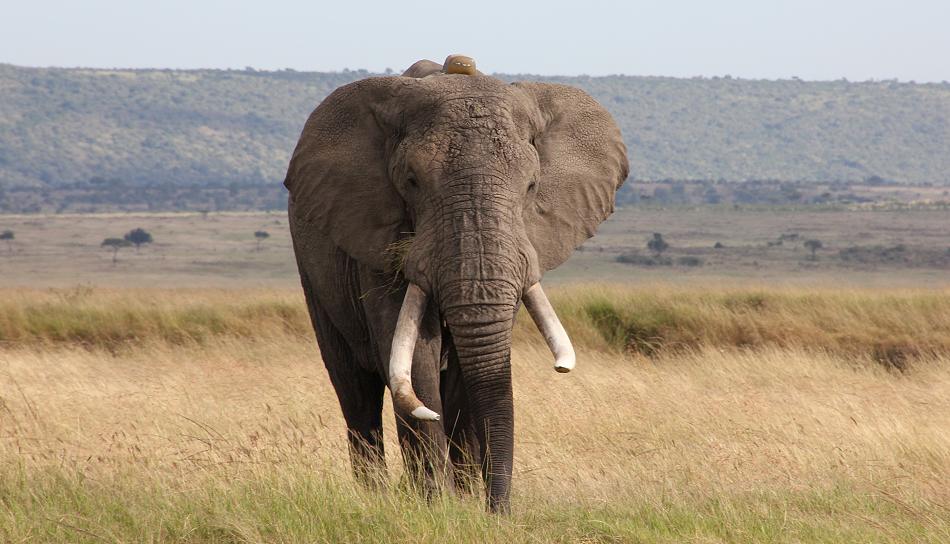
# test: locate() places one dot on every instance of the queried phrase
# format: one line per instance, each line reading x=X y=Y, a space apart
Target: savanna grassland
x=178 y=396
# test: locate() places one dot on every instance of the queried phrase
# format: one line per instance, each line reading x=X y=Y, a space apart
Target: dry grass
x=239 y=439
x=111 y=319
x=891 y=326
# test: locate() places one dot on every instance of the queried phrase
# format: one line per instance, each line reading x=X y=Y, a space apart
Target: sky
x=762 y=39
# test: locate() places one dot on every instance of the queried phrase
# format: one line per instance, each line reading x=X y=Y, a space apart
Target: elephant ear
x=583 y=163
x=338 y=176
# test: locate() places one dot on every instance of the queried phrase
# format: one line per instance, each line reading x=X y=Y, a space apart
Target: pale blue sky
x=811 y=39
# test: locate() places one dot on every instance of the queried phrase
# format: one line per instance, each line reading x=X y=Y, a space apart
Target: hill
x=68 y=126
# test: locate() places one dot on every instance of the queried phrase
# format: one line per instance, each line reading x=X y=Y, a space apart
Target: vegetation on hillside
x=137 y=127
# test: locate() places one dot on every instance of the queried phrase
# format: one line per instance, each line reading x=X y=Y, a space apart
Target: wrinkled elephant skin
x=424 y=209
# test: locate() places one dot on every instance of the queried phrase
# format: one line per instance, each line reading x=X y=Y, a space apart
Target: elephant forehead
x=463 y=97
x=461 y=119
x=473 y=118
x=469 y=142
x=458 y=83
x=471 y=122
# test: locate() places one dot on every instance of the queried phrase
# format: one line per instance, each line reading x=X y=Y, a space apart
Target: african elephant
x=424 y=209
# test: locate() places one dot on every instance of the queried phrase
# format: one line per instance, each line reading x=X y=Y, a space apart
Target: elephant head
x=471 y=188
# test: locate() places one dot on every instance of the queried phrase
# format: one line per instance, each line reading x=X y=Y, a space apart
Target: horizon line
x=345 y=70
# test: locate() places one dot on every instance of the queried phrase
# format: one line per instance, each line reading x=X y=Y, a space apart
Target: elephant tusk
x=550 y=326
x=400 y=358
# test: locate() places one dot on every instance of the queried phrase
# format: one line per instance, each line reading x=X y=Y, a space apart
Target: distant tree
x=261 y=235
x=8 y=236
x=115 y=244
x=657 y=244
x=138 y=237
x=813 y=246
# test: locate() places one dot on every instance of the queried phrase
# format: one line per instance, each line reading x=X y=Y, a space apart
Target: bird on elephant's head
x=467 y=189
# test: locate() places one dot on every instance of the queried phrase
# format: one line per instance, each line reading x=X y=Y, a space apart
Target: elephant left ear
x=583 y=163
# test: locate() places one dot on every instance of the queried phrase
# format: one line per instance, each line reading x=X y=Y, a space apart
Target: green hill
x=61 y=126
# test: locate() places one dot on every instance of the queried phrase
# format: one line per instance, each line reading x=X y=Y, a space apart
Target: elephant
x=424 y=209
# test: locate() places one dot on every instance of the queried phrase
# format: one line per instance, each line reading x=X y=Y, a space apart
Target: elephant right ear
x=338 y=177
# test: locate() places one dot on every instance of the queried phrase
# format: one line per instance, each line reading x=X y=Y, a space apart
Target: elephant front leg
x=424 y=444
x=361 y=398
x=360 y=393
x=359 y=390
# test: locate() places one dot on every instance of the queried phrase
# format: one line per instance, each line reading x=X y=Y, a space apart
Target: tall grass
x=890 y=326
x=293 y=505
x=722 y=416
x=102 y=318
x=242 y=441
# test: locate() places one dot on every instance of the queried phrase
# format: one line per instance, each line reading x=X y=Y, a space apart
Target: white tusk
x=550 y=326
x=400 y=357
x=425 y=414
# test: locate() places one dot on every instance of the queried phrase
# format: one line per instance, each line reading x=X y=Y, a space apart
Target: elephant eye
x=411 y=179
x=532 y=186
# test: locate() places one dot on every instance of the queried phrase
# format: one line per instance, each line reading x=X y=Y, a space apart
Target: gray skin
x=470 y=188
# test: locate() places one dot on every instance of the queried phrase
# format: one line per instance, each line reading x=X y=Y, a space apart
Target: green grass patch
x=293 y=505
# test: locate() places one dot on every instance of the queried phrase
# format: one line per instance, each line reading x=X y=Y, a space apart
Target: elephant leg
x=464 y=450
x=360 y=392
x=361 y=398
x=423 y=443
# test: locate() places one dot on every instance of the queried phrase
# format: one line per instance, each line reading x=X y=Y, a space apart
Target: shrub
x=644 y=260
x=689 y=260
x=657 y=244
x=260 y=236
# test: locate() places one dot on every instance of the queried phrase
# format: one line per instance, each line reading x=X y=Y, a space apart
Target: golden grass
x=110 y=319
x=221 y=437
x=890 y=326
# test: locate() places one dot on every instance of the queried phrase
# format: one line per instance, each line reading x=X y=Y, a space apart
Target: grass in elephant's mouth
x=238 y=440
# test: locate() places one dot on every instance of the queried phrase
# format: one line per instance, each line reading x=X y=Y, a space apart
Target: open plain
x=759 y=245
x=178 y=395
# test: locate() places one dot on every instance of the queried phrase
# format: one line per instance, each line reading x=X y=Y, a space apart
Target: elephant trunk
x=480 y=279
x=482 y=339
